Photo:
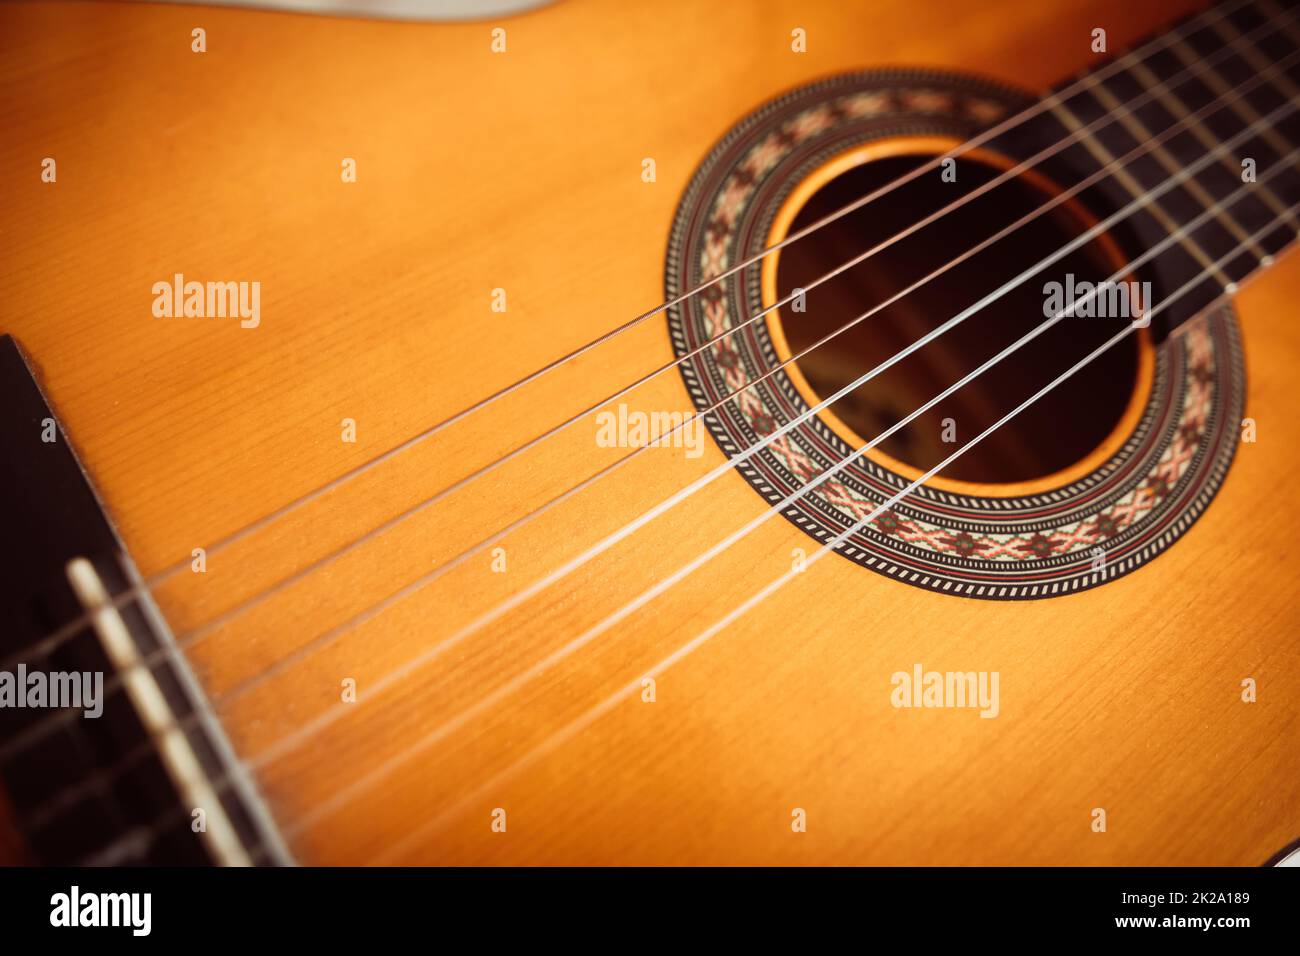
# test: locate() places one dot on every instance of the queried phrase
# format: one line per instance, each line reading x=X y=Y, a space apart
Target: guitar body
x=523 y=172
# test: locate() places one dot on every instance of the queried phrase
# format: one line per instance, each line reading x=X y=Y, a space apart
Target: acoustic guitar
x=789 y=432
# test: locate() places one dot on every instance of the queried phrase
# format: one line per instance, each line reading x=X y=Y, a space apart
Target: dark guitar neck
x=1233 y=81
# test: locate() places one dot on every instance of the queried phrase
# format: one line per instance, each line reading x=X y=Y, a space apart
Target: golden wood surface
x=522 y=171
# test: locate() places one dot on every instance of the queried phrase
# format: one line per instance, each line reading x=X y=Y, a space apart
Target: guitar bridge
x=140 y=771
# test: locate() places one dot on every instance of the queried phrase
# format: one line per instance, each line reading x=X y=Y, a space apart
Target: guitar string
x=184 y=641
x=68 y=630
x=341 y=797
x=247 y=604
x=1119 y=214
x=1201 y=21
x=39 y=731
x=569 y=731
x=270 y=753
x=519 y=597
x=74 y=793
x=504 y=691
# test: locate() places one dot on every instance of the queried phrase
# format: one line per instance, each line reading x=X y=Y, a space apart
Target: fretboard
x=1191 y=136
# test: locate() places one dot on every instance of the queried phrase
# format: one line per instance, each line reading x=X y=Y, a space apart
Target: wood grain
x=522 y=171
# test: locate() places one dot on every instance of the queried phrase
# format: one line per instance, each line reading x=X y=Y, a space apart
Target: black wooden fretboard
x=1231 y=77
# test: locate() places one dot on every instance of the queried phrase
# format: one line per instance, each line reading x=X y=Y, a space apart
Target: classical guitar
x=795 y=432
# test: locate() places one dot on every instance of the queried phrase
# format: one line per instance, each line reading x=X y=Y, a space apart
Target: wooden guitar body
x=520 y=177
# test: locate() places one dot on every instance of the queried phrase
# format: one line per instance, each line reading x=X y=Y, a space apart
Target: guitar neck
x=1189 y=138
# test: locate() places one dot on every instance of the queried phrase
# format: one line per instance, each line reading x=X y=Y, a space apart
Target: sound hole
x=1058 y=430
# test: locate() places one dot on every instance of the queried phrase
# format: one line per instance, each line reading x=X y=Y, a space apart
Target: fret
x=1289 y=130
x=1240 y=96
x=1220 y=86
x=1275 y=43
x=1136 y=230
x=1162 y=155
x=1280 y=38
x=1212 y=87
x=1193 y=114
x=1251 y=59
x=1264 y=195
x=1155 y=208
x=1217 y=237
x=1256 y=61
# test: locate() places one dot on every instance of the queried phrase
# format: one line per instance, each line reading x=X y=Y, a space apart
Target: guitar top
x=651 y=433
